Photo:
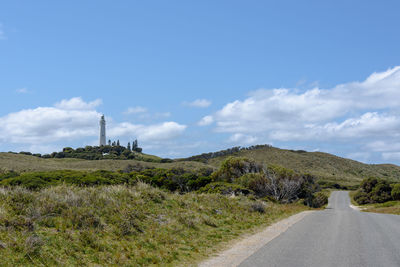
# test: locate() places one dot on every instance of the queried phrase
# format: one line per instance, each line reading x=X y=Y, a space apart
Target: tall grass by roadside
x=122 y=225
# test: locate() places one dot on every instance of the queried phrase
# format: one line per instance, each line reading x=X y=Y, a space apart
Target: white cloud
x=358 y=112
x=44 y=128
x=47 y=124
x=77 y=103
x=198 y=103
x=207 y=120
x=156 y=132
x=135 y=110
x=22 y=91
x=383 y=145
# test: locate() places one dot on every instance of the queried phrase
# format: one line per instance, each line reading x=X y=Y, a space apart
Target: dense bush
x=235 y=167
x=396 y=192
x=171 y=179
x=316 y=200
x=361 y=197
x=373 y=190
x=37 y=180
x=280 y=184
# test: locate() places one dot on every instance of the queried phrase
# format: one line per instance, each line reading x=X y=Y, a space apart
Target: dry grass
x=123 y=226
x=390 y=207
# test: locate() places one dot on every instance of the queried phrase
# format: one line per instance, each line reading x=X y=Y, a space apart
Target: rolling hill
x=325 y=166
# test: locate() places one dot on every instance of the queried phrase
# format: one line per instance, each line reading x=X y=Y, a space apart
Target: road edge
x=244 y=248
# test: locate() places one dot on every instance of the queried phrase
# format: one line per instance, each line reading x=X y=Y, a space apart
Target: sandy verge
x=247 y=246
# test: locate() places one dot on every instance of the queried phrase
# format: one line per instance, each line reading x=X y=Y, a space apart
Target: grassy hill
x=325 y=166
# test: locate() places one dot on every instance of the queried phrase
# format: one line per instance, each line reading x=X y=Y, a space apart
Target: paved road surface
x=338 y=236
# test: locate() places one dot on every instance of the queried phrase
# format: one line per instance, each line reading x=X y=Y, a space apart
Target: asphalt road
x=338 y=236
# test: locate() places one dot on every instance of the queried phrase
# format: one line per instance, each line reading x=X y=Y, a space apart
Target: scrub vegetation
x=142 y=216
x=377 y=195
x=330 y=171
x=67 y=225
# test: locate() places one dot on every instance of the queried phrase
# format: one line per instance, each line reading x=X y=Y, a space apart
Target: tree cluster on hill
x=114 y=150
x=227 y=152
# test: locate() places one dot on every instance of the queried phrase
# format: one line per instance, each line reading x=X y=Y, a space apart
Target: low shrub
x=316 y=200
x=396 y=191
x=361 y=197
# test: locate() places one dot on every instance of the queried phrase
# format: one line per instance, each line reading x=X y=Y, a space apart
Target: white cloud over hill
x=364 y=112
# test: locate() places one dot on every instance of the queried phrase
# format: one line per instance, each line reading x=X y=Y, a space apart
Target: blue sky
x=186 y=77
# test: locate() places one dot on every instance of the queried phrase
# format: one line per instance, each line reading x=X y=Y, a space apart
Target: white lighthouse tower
x=102 y=131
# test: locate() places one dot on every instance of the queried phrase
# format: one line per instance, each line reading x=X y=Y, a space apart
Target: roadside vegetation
x=139 y=225
x=143 y=216
x=235 y=176
x=378 y=195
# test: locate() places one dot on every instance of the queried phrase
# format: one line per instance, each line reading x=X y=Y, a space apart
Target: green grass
x=390 y=207
x=118 y=225
x=24 y=163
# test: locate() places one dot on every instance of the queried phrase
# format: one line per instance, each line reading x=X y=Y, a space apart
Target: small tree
x=118 y=144
x=129 y=146
x=109 y=142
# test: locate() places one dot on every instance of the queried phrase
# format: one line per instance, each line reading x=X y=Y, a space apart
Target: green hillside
x=323 y=165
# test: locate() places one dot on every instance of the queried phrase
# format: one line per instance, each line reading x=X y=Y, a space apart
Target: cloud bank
x=75 y=119
x=358 y=112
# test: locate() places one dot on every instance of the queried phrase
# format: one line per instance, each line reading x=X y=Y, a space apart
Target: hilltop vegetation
x=113 y=151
